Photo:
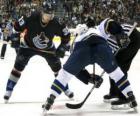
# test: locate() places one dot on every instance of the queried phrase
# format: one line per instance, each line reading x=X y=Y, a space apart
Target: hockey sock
x=60 y=84
x=121 y=81
x=57 y=88
x=12 y=81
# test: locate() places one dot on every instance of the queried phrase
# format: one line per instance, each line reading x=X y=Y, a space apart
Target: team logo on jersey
x=40 y=43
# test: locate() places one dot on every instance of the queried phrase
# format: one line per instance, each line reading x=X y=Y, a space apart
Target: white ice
x=34 y=86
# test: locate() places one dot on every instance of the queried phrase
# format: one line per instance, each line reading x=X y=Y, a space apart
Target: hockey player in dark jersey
x=91 y=47
x=37 y=32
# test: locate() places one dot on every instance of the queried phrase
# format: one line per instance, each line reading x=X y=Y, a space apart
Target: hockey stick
x=79 y=105
x=48 y=52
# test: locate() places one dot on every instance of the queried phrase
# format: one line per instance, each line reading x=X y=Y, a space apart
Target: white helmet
x=80 y=29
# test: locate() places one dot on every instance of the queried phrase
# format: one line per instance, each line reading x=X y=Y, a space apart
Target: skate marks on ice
x=97 y=109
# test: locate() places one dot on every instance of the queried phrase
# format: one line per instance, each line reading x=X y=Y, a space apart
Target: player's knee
x=55 y=67
x=19 y=67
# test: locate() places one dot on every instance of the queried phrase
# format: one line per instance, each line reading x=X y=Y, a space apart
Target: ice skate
x=110 y=98
x=2 y=57
x=120 y=104
x=48 y=104
x=7 y=96
x=125 y=104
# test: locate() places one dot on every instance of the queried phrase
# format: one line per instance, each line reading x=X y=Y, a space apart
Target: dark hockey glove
x=123 y=40
x=15 y=40
x=60 y=52
x=96 y=80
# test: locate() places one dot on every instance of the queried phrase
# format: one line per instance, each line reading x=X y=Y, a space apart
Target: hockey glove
x=60 y=52
x=97 y=80
x=123 y=40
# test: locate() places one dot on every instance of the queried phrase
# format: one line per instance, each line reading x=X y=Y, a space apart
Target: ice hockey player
x=92 y=47
x=124 y=58
x=10 y=36
x=122 y=49
x=38 y=30
x=3 y=49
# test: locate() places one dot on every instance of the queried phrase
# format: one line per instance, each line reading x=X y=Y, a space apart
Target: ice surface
x=34 y=86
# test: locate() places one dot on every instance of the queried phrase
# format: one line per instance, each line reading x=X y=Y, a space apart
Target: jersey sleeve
x=64 y=33
x=20 y=24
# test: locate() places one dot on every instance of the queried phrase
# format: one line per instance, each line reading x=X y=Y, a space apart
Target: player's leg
x=72 y=67
x=113 y=92
x=55 y=64
x=125 y=62
x=21 y=61
x=106 y=60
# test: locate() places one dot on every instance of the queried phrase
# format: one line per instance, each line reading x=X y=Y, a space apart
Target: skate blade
x=6 y=101
x=44 y=113
x=135 y=109
x=121 y=107
x=111 y=100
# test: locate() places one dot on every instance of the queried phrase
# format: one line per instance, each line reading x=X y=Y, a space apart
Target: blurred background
x=74 y=12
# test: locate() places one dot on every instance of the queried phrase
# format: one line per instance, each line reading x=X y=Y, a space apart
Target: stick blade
x=73 y=106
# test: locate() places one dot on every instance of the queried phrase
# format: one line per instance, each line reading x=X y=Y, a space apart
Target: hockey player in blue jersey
x=92 y=47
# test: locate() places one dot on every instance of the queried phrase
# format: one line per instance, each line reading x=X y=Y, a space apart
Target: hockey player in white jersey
x=121 y=48
x=92 y=47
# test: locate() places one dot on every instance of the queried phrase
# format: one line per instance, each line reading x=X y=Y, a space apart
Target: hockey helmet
x=90 y=21
x=114 y=27
x=47 y=7
x=80 y=29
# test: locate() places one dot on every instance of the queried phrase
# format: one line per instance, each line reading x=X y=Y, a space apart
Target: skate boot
x=69 y=94
x=110 y=98
x=132 y=100
x=125 y=103
x=49 y=103
x=2 y=57
x=7 y=96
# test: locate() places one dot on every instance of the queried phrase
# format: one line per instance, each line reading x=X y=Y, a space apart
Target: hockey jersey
x=38 y=35
x=101 y=31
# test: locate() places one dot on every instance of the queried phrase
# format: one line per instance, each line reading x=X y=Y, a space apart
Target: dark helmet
x=90 y=22
x=47 y=7
x=114 y=27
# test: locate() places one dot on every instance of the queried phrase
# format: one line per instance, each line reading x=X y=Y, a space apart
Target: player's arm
x=22 y=22
x=65 y=41
x=19 y=25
